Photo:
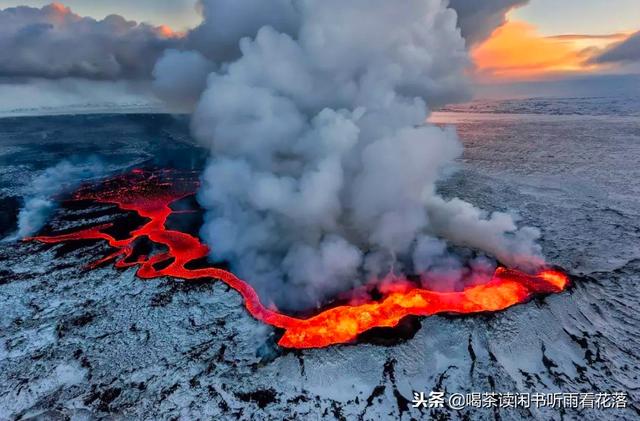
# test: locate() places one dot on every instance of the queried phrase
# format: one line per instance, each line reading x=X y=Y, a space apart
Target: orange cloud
x=167 y=32
x=517 y=51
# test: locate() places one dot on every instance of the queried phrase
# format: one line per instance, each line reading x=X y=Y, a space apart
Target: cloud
x=479 y=18
x=589 y=37
x=53 y=42
x=624 y=52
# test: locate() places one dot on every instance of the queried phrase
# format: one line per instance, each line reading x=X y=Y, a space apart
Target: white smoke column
x=40 y=201
x=323 y=169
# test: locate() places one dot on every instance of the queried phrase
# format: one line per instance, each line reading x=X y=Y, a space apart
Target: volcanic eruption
x=151 y=196
x=322 y=182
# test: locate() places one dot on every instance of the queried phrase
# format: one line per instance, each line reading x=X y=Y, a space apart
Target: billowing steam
x=40 y=201
x=180 y=77
x=323 y=171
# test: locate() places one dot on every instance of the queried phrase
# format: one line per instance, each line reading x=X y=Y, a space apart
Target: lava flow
x=151 y=194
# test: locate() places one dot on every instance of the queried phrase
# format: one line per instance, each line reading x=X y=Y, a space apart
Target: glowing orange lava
x=150 y=195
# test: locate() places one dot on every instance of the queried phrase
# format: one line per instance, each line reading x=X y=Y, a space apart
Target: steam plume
x=180 y=77
x=323 y=170
x=40 y=202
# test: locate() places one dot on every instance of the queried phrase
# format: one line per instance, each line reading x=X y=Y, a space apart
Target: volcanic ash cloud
x=322 y=169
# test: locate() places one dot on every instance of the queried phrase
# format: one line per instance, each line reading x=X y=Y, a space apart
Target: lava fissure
x=151 y=194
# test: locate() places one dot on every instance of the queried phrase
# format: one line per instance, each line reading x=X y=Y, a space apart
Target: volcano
x=151 y=195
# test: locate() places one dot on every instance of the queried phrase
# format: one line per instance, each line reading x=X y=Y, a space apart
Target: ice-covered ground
x=587 y=106
x=102 y=344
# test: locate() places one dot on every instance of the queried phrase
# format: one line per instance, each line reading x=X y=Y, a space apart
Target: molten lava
x=151 y=194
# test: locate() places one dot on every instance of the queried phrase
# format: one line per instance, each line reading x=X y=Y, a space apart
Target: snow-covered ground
x=587 y=106
x=78 y=344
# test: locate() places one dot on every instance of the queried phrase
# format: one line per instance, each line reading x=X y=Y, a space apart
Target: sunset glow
x=517 y=51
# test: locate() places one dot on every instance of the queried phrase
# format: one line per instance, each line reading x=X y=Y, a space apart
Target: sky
x=550 y=39
x=553 y=17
